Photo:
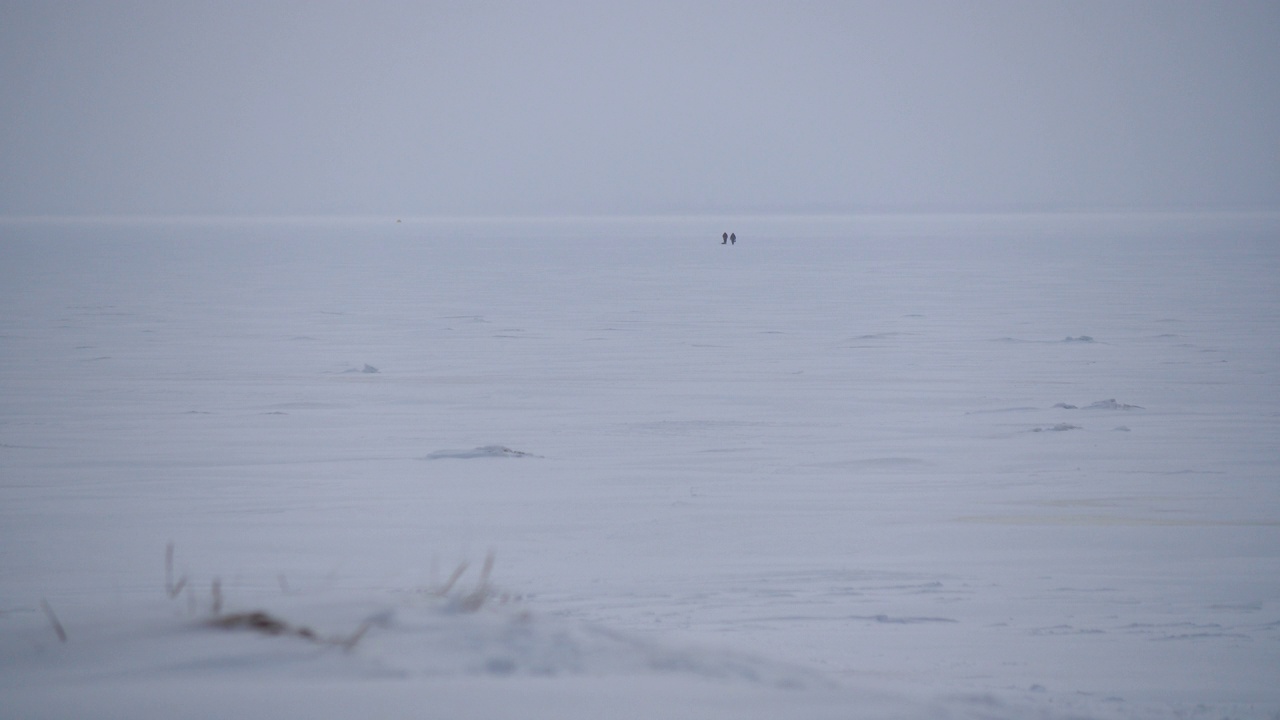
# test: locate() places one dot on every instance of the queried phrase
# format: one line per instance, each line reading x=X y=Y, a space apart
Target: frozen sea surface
x=936 y=466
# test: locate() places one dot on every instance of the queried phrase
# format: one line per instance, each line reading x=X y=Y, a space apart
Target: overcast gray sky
x=428 y=108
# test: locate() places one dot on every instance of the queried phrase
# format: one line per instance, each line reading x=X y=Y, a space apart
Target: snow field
x=895 y=467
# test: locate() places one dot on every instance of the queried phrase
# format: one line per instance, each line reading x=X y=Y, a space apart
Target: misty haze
x=641 y=360
x=686 y=108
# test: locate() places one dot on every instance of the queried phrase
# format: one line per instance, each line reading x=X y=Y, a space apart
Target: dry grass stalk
x=267 y=624
x=169 y=585
x=260 y=622
x=474 y=600
x=53 y=620
x=217 y=596
x=453 y=579
x=257 y=621
x=348 y=644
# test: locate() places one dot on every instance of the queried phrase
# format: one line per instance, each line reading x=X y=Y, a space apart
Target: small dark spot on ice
x=1202 y=636
x=1066 y=406
x=893 y=461
x=500 y=666
x=1246 y=607
x=1060 y=427
x=1066 y=630
x=886 y=619
x=367 y=369
x=1083 y=339
x=1001 y=410
x=1112 y=405
x=486 y=451
x=1120 y=428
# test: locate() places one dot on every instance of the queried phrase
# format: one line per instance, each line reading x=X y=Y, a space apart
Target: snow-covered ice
x=582 y=468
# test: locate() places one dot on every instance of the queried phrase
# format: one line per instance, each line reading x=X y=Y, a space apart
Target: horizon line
x=598 y=217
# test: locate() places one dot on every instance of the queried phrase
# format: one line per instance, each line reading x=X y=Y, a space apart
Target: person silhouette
x=724 y=238
x=733 y=238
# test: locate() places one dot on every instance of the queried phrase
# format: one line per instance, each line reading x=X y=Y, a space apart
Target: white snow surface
x=846 y=468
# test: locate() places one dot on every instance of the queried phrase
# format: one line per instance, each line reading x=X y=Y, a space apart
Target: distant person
x=733 y=238
x=724 y=238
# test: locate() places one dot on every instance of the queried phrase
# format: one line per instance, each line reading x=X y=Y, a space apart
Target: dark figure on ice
x=724 y=238
x=733 y=238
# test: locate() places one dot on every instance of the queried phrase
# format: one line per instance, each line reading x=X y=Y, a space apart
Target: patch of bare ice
x=1112 y=405
x=486 y=451
x=1060 y=427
